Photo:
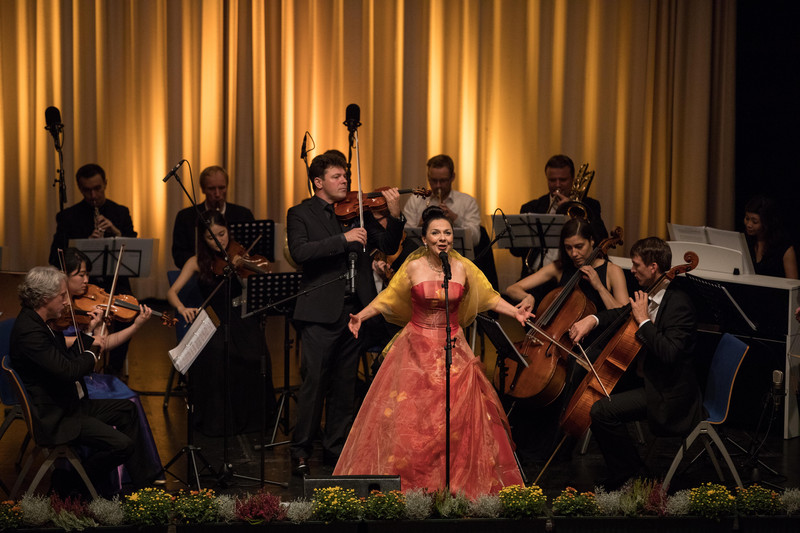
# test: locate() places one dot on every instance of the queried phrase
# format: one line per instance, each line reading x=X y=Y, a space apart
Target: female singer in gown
x=247 y=345
x=400 y=429
x=536 y=428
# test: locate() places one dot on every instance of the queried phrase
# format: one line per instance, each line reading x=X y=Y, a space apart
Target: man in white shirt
x=459 y=207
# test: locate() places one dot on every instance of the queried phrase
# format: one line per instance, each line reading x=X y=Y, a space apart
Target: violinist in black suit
x=214 y=184
x=327 y=249
x=670 y=399
x=560 y=173
x=52 y=375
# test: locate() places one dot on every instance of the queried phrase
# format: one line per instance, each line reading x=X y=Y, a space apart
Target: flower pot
x=640 y=524
x=769 y=524
x=462 y=525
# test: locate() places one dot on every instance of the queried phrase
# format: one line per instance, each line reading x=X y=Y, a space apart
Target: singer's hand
x=354 y=324
x=358 y=235
x=392 y=201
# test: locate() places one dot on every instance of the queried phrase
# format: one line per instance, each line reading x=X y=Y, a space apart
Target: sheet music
x=203 y=328
x=679 y=232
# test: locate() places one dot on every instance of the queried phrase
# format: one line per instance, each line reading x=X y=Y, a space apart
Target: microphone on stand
x=777 y=388
x=52 y=117
x=508 y=226
x=352 y=271
x=352 y=121
x=173 y=171
x=445 y=265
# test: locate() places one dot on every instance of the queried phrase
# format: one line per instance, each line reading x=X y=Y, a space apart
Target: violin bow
x=63 y=263
x=113 y=291
x=588 y=365
x=358 y=176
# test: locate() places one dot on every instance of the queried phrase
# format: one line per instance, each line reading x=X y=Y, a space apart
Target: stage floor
x=149 y=369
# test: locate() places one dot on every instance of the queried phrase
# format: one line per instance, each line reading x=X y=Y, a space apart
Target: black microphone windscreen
x=52 y=116
x=353 y=114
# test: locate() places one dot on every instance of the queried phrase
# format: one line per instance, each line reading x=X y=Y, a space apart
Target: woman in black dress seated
x=770 y=248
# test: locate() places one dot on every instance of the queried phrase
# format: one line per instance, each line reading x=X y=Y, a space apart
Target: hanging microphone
x=52 y=117
x=303 y=151
x=777 y=388
x=352 y=117
x=352 y=274
x=174 y=170
x=445 y=265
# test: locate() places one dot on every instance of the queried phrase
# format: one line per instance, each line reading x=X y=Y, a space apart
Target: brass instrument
x=575 y=207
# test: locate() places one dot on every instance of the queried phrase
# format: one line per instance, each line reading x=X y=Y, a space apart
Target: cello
x=615 y=358
x=543 y=346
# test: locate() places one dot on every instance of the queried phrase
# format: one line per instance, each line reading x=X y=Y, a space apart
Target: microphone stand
x=62 y=186
x=448 y=352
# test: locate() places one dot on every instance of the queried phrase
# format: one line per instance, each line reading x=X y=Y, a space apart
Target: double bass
x=545 y=377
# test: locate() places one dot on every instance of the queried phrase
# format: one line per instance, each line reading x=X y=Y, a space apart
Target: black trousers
x=609 y=419
x=330 y=365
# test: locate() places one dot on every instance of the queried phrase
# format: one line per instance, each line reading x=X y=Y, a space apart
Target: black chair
x=725 y=365
x=49 y=453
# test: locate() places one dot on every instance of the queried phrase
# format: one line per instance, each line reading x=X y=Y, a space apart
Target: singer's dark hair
x=206 y=256
x=653 y=250
x=73 y=259
x=89 y=171
x=573 y=227
x=213 y=169
x=431 y=213
x=440 y=161
x=560 y=161
x=323 y=162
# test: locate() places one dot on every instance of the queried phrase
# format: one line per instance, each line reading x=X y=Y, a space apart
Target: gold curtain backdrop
x=642 y=90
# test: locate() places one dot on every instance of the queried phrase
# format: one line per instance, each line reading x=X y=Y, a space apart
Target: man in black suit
x=95 y=217
x=214 y=184
x=327 y=249
x=560 y=173
x=670 y=399
x=52 y=374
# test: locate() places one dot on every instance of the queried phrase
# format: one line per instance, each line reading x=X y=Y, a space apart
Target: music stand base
x=192 y=454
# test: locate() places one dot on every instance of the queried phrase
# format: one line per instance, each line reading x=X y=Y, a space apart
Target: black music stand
x=529 y=230
x=505 y=348
x=725 y=311
x=245 y=233
x=263 y=291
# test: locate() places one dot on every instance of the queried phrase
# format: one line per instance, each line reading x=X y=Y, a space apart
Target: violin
x=615 y=358
x=545 y=377
x=347 y=209
x=124 y=308
x=244 y=263
x=389 y=259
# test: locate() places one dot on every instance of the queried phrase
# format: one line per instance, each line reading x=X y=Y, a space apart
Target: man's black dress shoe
x=300 y=467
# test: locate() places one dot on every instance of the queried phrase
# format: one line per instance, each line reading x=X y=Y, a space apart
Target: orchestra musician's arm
x=188 y=270
x=615 y=277
x=519 y=290
x=676 y=337
x=111 y=341
x=790 y=263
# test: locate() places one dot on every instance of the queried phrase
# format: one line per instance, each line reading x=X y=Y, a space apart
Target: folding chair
x=50 y=453
x=724 y=366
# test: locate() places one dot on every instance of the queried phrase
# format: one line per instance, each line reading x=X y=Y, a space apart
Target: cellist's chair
x=588 y=437
x=50 y=453
x=724 y=366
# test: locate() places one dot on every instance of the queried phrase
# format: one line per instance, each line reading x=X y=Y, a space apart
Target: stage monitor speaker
x=363 y=485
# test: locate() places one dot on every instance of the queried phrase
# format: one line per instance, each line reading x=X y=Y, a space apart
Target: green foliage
x=389 y=506
x=449 y=505
x=107 y=512
x=10 y=515
x=195 y=507
x=573 y=503
x=522 y=502
x=643 y=497
x=148 y=507
x=336 y=503
x=757 y=500
x=419 y=504
x=711 y=500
